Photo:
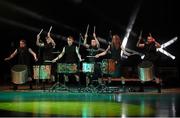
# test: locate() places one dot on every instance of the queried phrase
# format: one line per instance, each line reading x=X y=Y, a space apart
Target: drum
x=145 y=71
x=88 y=67
x=66 y=68
x=108 y=66
x=19 y=74
x=42 y=71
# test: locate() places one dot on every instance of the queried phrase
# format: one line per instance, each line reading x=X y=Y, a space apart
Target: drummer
x=150 y=47
x=71 y=55
x=115 y=53
x=47 y=49
x=23 y=56
x=92 y=50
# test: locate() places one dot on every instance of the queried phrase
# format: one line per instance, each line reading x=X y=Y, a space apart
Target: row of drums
x=108 y=66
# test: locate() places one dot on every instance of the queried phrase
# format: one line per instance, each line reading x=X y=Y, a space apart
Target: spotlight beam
x=169 y=42
x=129 y=28
x=166 y=45
x=166 y=53
x=30 y=28
x=34 y=15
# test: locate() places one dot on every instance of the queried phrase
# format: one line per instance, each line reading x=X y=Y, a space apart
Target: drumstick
x=90 y=56
x=48 y=61
x=50 y=29
x=94 y=29
x=87 y=29
x=40 y=32
x=150 y=35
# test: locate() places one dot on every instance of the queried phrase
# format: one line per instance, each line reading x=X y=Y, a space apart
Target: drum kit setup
x=107 y=66
x=43 y=72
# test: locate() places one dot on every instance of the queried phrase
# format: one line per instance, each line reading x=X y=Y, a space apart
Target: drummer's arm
x=38 y=43
x=78 y=54
x=52 y=41
x=103 y=53
x=140 y=45
x=59 y=56
x=33 y=53
x=11 y=56
x=85 y=41
x=98 y=44
x=158 y=45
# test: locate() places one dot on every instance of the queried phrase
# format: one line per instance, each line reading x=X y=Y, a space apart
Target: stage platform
x=76 y=102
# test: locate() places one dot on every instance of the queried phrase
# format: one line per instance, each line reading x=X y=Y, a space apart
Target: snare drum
x=88 y=67
x=145 y=71
x=42 y=71
x=66 y=68
x=108 y=66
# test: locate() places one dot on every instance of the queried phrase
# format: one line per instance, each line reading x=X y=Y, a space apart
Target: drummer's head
x=116 y=41
x=93 y=43
x=22 y=43
x=48 y=40
x=70 y=40
x=150 y=39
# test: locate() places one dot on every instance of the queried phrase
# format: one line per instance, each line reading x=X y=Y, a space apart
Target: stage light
x=34 y=15
x=166 y=45
x=129 y=28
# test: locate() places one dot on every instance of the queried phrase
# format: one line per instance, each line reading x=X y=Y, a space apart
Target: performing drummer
x=48 y=46
x=151 y=54
x=71 y=55
x=92 y=50
x=114 y=50
x=150 y=47
x=46 y=49
x=23 y=56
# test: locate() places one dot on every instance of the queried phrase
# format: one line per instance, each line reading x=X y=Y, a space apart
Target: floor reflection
x=87 y=104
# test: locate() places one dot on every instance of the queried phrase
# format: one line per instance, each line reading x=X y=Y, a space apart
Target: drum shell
x=66 y=68
x=42 y=71
x=108 y=66
x=19 y=74
x=88 y=67
x=145 y=71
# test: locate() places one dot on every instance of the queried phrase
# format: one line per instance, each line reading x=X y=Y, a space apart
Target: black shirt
x=23 y=55
x=92 y=51
x=115 y=54
x=70 y=54
x=150 y=52
x=47 y=52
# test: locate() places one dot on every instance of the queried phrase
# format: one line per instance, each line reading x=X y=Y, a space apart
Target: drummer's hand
x=97 y=56
x=53 y=60
x=38 y=36
x=6 y=59
x=36 y=59
x=81 y=60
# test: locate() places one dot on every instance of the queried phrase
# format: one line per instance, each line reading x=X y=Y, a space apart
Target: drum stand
x=91 y=87
x=101 y=87
x=58 y=86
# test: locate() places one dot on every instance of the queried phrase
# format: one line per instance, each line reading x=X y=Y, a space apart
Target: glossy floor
x=85 y=104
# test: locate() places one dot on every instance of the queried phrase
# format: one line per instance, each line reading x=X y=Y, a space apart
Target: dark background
x=23 y=19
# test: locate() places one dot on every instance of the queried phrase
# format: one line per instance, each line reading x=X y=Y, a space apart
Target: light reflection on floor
x=87 y=104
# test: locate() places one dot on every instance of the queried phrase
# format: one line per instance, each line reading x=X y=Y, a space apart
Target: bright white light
x=169 y=42
x=165 y=45
x=166 y=53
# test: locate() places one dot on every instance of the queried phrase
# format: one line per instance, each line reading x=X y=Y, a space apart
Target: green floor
x=39 y=103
